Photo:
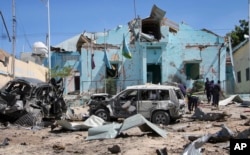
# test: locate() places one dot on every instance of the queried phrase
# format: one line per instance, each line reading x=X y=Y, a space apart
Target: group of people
x=213 y=92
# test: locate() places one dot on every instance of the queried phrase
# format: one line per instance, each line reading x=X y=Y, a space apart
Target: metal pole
x=91 y=48
x=49 y=54
x=13 y=38
x=105 y=66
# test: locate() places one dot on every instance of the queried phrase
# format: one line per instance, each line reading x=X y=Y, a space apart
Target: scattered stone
x=243 y=116
x=5 y=142
x=200 y=115
x=58 y=147
x=181 y=130
x=180 y=127
x=5 y=124
x=243 y=135
x=23 y=143
x=162 y=151
x=247 y=123
x=114 y=149
x=193 y=138
x=53 y=126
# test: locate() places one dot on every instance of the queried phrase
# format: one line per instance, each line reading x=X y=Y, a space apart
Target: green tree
x=198 y=86
x=61 y=72
x=237 y=35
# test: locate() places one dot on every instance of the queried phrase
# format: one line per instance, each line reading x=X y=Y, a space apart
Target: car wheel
x=102 y=113
x=3 y=104
x=161 y=117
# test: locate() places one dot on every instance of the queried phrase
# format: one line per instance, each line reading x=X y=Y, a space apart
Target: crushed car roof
x=29 y=80
x=152 y=86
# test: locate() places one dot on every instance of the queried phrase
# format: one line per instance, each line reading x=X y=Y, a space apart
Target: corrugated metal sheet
x=92 y=121
x=114 y=129
x=70 y=44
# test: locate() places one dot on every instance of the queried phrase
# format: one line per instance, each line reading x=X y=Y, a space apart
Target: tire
x=30 y=119
x=161 y=117
x=3 y=104
x=102 y=113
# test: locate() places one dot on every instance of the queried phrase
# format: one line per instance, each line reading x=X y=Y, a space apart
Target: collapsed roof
x=149 y=29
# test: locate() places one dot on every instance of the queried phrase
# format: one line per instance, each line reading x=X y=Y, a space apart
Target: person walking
x=211 y=87
x=207 y=90
x=216 y=94
x=193 y=101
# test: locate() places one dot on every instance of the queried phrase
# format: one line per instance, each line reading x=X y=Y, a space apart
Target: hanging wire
x=5 y=26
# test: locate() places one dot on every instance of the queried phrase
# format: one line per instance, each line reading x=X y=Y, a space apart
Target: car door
x=148 y=100
x=125 y=103
x=175 y=96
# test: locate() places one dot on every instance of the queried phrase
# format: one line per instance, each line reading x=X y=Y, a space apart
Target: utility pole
x=48 y=36
x=49 y=54
x=13 y=38
x=105 y=66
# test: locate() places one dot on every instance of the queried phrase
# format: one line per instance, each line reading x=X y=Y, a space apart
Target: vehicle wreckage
x=160 y=104
x=26 y=101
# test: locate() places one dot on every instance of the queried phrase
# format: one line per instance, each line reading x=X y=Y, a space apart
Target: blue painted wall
x=170 y=55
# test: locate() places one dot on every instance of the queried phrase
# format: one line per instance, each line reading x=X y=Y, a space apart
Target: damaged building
x=161 y=51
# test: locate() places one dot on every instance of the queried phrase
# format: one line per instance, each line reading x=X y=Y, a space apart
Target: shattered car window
x=129 y=95
x=179 y=94
x=164 y=94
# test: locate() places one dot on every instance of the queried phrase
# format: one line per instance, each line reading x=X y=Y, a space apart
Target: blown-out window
x=192 y=71
x=247 y=74
x=239 y=76
x=113 y=72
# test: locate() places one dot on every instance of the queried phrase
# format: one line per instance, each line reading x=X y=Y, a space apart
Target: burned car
x=160 y=104
x=28 y=99
x=97 y=97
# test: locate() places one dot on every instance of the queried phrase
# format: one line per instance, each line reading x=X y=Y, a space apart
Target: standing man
x=216 y=94
x=207 y=90
x=211 y=87
x=193 y=101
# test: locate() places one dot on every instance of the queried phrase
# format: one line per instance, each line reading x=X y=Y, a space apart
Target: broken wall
x=189 y=46
x=179 y=54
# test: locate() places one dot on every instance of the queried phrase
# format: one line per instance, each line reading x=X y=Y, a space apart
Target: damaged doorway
x=192 y=71
x=153 y=73
x=77 y=83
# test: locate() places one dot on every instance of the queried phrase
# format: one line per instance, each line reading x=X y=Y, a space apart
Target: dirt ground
x=25 y=140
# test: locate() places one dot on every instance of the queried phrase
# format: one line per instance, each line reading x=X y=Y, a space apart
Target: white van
x=158 y=103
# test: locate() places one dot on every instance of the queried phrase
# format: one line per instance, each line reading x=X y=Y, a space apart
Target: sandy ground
x=25 y=141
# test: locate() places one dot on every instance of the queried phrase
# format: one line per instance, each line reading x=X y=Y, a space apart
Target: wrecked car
x=30 y=98
x=95 y=98
x=160 y=104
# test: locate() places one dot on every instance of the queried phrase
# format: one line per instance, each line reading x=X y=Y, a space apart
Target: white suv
x=158 y=103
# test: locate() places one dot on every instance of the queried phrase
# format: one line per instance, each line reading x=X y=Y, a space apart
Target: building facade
x=241 y=66
x=20 y=69
x=162 y=51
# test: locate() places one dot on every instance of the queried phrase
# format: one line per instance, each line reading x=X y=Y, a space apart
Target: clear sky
x=71 y=17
